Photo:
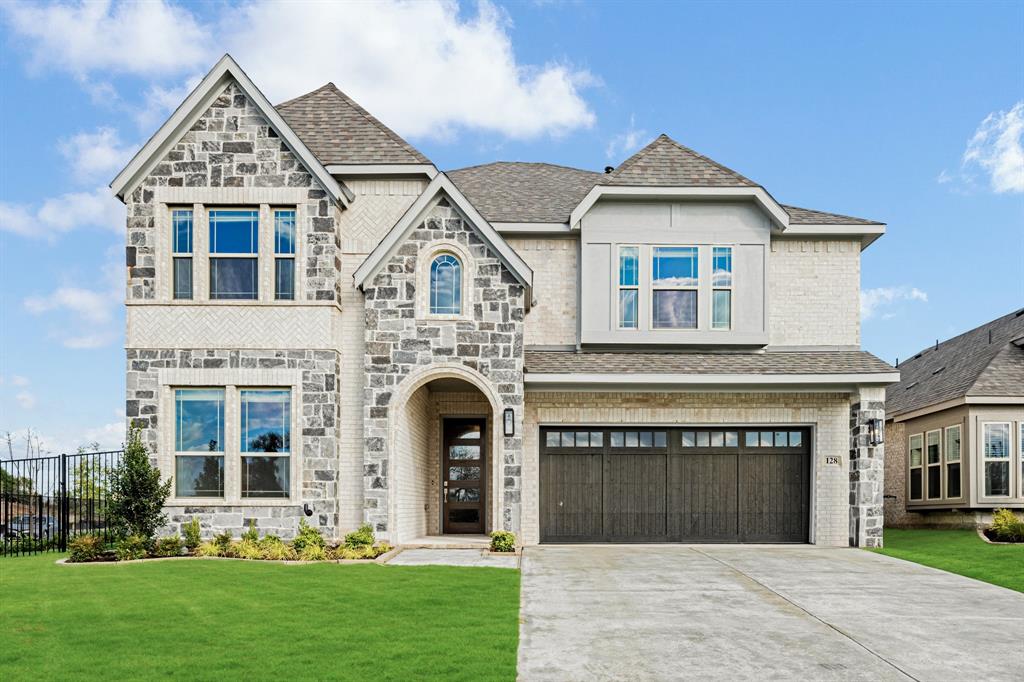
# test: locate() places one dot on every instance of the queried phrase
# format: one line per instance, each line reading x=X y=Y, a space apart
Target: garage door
x=635 y=484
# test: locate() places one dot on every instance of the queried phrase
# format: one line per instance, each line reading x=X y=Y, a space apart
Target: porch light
x=510 y=422
x=875 y=432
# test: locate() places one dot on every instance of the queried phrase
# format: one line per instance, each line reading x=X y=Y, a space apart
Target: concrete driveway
x=729 y=612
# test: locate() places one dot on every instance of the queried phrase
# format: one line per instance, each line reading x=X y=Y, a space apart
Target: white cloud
x=91 y=312
x=996 y=148
x=139 y=38
x=626 y=142
x=17 y=380
x=57 y=215
x=26 y=400
x=159 y=102
x=874 y=301
x=95 y=156
x=90 y=306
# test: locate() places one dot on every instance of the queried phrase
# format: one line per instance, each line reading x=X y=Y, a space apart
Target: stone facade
x=867 y=470
x=487 y=340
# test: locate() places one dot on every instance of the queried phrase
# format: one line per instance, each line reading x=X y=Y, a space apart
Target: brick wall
x=814 y=292
x=552 y=320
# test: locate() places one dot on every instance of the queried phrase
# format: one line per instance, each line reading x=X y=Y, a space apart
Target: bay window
x=629 y=286
x=181 y=247
x=234 y=249
x=996 y=458
x=916 y=478
x=721 y=287
x=933 y=451
x=199 y=442
x=674 y=285
x=284 y=255
x=953 y=487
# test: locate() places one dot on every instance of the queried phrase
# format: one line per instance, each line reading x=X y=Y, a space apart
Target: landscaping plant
x=208 y=549
x=192 y=534
x=247 y=548
x=251 y=534
x=169 y=546
x=313 y=552
x=503 y=541
x=131 y=547
x=85 y=548
x=274 y=548
x=223 y=542
x=1006 y=526
x=136 y=494
x=308 y=536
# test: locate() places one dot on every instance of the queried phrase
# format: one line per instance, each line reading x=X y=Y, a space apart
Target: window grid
x=722 y=287
x=670 y=311
x=915 y=453
x=284 y=252
x=933 y=453
x=446 y=285
x=629 y=287
x=952 y=455
x=996 y=459
x=234 y=238
x=199 y=442
x=181 y=249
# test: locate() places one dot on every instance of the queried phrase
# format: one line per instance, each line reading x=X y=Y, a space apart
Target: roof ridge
x=708 y=159
x=624 y=169
x=534 y=163
x=395 y=137
x=293 y=100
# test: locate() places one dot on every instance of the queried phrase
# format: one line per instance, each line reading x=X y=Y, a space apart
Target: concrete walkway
x=755 y=613
x=453 y=557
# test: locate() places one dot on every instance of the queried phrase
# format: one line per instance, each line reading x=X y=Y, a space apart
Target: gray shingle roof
x=339 y=131
x=966 y=365
x=519 y=192
x=807 y=216
x=666 y=163
x=809 y=362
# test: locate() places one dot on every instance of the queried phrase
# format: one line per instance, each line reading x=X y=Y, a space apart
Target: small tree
x=136 y=494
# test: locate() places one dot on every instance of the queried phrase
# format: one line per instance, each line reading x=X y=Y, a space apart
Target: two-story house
x=321 y=323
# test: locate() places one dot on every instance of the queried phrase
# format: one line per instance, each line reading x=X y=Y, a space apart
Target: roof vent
x=608 y=169
x=1019 y=313
x=938 y=370
x=910 y=386
x=917 y=356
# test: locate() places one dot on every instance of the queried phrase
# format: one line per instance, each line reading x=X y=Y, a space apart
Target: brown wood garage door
x=636 y=484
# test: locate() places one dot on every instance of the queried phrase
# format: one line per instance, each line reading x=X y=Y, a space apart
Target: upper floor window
x=996 y=451
x=181 y=247
x=284 y=255
x=721 y=283
x=445 y=285
x=234 y=238
x=674 y=285
x=629 y=286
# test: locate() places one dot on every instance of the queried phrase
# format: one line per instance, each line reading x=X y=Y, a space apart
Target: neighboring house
x=320 y=323
x=955 y=429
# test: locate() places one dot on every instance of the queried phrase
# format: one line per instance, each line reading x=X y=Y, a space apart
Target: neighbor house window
x=181 y=247
x=234 y=245
x=674 y=284
x=199 y=442
x=933 y=452
x=953 y=462
x=629 y=286
x=916 y=468
x=265 y=429
x=284 y=255
x=445 y=285
x=1020 y=446
x=996 y=451
x=721 y=287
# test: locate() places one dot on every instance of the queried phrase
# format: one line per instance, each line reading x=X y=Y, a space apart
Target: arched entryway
x=445 y=456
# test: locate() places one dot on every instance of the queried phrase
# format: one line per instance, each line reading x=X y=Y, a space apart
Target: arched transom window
x=446 y=285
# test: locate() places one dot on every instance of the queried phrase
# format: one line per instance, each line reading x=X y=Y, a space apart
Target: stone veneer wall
x=828 y=413
x=318 y=425
x=867 y=470
x=489 y=341
x=231 y=145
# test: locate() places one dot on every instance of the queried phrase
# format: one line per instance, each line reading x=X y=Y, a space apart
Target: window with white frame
x=952 y=454
x=674 y=285
x=721 y=287
x=1020 y=446
x=181 y=248
x=996 y=458
x=916 y=461
x=284 y=254
x=265 y=442
x=933 y=453
x=199 y=442
x=234 y=254
x=445 y=285
x=629 y=287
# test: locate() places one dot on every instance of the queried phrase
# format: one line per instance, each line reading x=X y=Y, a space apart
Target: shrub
x=192 y=534
x=131 y=547
x=208 y=549
x=1006 y=526
x=85 y=548
x=360 y=538
x=274 y=548
x=307 y=537
x=313 y=553
x=136 y=494
x=364 y=552
x=223 y=542
x=169 y=546
x=251 y=534
x=503 y=541
x=248 y=549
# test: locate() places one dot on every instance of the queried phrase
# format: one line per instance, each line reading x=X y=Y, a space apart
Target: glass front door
x=463 y=475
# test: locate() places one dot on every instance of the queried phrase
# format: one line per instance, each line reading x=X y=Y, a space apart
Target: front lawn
x=959 y=551
x=221 y=619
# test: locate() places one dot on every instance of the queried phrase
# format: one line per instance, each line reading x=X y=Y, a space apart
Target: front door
x=463 y=471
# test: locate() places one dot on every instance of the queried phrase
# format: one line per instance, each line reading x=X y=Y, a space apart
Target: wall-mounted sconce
x=876 y=432
x=307 y=510
x=510 y=422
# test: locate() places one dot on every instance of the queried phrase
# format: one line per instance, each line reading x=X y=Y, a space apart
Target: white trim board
x=731 y=380
x=369 y=169
x=412 y=217
x=955 y=402
x=198 y=101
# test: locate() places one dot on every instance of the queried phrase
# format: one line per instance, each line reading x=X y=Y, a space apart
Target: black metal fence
x=45 y=501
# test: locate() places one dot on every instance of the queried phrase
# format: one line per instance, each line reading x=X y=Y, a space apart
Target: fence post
x=64 y=502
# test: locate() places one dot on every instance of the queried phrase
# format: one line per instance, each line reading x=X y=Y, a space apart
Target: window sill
x=444 y=318
x=221 y=502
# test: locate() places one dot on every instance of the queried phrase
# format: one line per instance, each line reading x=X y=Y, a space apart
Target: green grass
x=959 y=551
x=233 y=619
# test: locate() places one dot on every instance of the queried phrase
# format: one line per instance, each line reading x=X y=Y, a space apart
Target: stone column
x=867 y=469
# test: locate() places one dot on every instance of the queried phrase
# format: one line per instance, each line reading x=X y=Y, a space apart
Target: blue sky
x=908 y=113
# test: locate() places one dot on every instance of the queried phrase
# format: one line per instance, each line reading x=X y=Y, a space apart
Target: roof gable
x=198 y=101
x=514 y=191
x=339 y=131
x=666 y=163
x=442 y=185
